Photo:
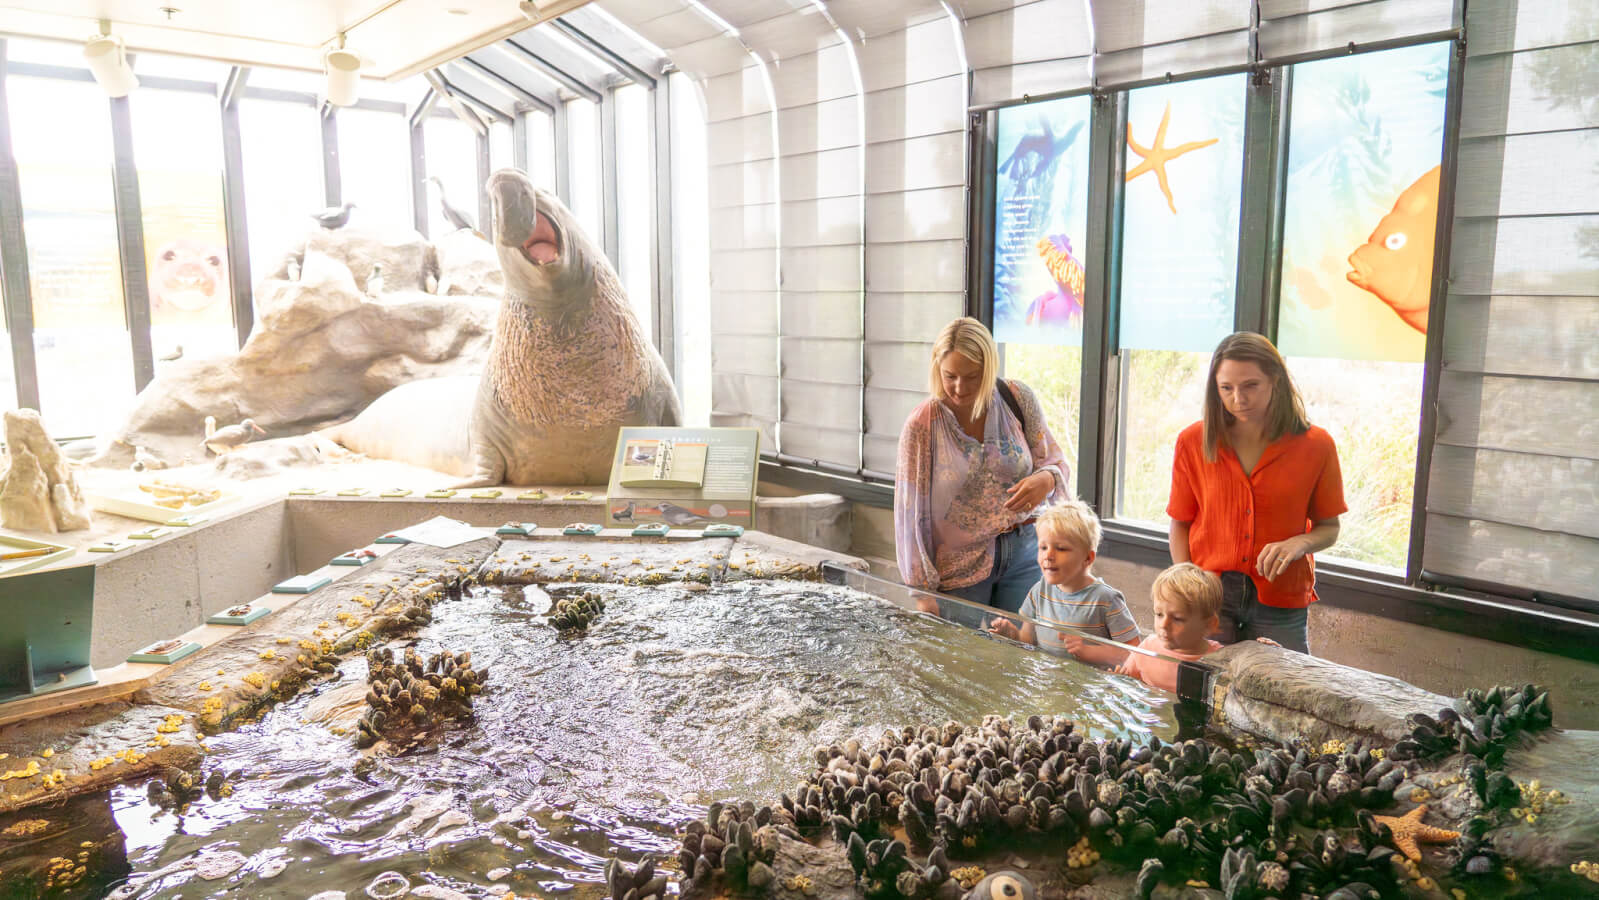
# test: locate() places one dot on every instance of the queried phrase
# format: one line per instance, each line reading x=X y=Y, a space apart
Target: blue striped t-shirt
x=1098 y=609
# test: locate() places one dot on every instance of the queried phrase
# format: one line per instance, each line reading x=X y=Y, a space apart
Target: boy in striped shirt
x=1070 y=595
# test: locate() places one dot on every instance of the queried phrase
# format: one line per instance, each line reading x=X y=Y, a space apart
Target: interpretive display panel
x=683 y=477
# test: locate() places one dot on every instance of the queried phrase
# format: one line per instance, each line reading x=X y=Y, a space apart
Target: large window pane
x=451 y=147
x=1041 y=225
x=1365 y=143
x=177 y=145
x=282 y=149
x=61 y=134
x=583 y=160
x=541 y=149
x=375 y=167
x=635 y=188
x=500 y=154
x=1184 y=154
x=691 y=263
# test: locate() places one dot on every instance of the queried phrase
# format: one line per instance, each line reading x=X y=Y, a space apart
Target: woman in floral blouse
x=976 y=460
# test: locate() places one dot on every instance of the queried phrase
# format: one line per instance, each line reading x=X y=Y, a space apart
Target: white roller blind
x=1289 y=27
x=1513 y=496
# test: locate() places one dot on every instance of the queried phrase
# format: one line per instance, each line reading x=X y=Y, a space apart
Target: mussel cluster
x=416 y=692
x=575 y=614
x=642 y=883
x=1482 y=727
x=735 y=844
x=962 y=790
x=176 y=788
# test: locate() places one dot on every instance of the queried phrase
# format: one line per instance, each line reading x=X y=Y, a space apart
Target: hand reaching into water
x=1004 y=628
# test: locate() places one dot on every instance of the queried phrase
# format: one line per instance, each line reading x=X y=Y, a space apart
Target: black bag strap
x=1009 y=396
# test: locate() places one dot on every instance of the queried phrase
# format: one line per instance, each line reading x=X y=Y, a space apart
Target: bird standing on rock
x=223 y=440
x=334 y=216
x=454 y=216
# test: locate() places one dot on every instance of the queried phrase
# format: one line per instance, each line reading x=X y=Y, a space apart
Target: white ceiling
x=396 y=38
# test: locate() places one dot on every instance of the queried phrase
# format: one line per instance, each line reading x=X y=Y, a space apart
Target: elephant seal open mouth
x=569 y=363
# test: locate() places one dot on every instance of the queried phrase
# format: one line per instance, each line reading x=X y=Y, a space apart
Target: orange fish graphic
x=1064 y=303
x=1395 y=263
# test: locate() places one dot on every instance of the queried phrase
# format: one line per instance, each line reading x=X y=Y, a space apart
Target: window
x=1365 y=145
x=692 y=265
x=583 y=155
x=541 y=149
x=375 y=167
x=451 y=148
x=1184 y=158
x=61 y=136
x=282 y=151
x=1041 y=227
x=177 y=145
x=500 y=143
x=635 y=198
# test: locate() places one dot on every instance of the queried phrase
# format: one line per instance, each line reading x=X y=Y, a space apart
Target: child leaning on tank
x=1187 y=601
x=1070 y=595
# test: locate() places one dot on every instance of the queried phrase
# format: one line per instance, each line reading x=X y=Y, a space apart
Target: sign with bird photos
x=683 y=477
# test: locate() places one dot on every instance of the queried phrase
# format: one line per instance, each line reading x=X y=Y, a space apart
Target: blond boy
x=1187 y=602
x=1070 y=596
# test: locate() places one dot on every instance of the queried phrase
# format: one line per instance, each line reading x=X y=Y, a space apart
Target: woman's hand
x=1029 y=492
x=1275 y=558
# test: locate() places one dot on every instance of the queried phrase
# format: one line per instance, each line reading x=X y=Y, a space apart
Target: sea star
x=1156 y=156
x=1408 y=829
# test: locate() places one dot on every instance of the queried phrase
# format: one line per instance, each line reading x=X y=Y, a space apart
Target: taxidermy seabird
x=454 y=216
x=222 y=440
x=334 y=216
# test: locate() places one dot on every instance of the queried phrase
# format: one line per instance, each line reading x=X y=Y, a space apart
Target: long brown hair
x=1287 y=412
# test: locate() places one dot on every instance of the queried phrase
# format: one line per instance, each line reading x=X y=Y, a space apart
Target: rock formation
x=321 y=349
x=39 y=492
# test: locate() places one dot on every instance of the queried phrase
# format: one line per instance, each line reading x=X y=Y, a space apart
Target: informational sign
x=683 y=477
x=1041 y=221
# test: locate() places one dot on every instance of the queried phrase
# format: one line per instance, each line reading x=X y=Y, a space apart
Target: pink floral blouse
x=949 y=493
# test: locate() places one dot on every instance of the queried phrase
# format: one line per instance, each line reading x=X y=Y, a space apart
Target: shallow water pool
x=584 y=747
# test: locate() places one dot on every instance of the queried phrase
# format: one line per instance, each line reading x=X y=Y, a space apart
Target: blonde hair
x=970 y=339
x=1073 y=520
x=1287 y=412
x=1190 y=587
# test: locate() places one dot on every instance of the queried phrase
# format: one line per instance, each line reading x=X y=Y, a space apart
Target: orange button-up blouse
x=1232 y=515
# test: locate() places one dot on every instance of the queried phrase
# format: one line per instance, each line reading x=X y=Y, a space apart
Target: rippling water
x=588 y=747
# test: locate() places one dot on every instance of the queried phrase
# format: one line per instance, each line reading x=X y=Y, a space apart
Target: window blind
x=1513 y=497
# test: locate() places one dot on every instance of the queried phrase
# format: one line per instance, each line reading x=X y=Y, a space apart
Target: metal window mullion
x=332 y=188
x=233 y=206
x=130 y=242
x=1260 y=218
x=519 y=156
x=1102 y=281
x=610 y=212
x=14 y=282
x=563 y=154
x=662 y=247
x=981 y=178
x=485 y=210
x=419 y=169
x=1433 y=358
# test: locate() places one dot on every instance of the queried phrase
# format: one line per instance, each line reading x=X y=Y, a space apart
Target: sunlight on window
x=375 y=168
x=451 y=148
x=282 y=148
x=541 y=149
x=691 y=244
x=583 y=160
x=1163 y=392
x=61 y=136
x=1056 y=375
x=177 y=144
x=635 y=186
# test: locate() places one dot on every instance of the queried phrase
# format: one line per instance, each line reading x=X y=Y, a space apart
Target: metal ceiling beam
x=509 y=86
x=558 y=74
x=457 y=105
x=615 y=60
x=233 y=85
x=423 y=107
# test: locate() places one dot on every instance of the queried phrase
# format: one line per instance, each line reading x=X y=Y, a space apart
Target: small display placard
x=683 y=477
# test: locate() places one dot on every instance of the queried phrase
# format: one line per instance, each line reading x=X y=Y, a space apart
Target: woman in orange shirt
x=1256 y=489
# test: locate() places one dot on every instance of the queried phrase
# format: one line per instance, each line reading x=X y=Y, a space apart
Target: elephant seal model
x=569 y=365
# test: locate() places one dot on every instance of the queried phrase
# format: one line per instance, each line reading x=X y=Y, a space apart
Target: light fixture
x=108 y=61
x=343 y=69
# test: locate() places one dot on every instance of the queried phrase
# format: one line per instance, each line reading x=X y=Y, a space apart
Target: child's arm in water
x=1091 y=651
x=1005 y=628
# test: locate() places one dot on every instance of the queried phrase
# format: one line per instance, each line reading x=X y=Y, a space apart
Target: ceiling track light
x=107 y=59
x=343 y=70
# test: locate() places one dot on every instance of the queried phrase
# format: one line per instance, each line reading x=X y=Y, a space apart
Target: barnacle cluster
x=575 y=613
x=416 y=692
x=642 y=883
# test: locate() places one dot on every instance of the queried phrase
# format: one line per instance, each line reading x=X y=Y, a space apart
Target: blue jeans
x=1014 y=574
x=1244 y=618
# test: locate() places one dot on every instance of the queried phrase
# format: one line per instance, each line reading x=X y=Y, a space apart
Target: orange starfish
x=1408 y=829
x=1156 y=157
